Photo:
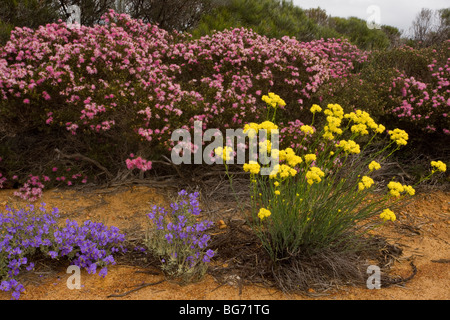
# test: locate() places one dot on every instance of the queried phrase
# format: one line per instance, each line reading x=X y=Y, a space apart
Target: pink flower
x=45 y=95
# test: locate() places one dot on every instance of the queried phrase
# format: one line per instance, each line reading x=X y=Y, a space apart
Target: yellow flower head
x=224 y=153
x=251 y=128
x=263 y=213
x=395 y=188
x=314 y=174
x=265 y=146
x=334 y=110
x=399 y=136
x=333 y=124
x=349 y=146
x=253 y=167
x=273 y=100
x=374 y=166
x=328 y=135
x=387 y=215
x=307 y=129
x=360 y=128
x=267 y=125
x=438 y=166
x=277 y=192
x=315 y=108
x=380 y=128
x=310 y=157
x=366 y=182
x=409 y=190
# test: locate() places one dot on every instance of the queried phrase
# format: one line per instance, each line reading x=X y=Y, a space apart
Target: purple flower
x=169 y=237
x=92 y=269
x=103 y=272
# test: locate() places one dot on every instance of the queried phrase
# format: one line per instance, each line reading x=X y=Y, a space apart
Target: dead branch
x=77 y=156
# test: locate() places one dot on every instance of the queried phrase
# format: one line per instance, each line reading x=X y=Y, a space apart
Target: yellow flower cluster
x=265 y=146
x=399 y=136
x=396 y=188
x=349 y=146
x=267 y=125
x=307 y=129
x=374 y=166
x=253 y=167
x=366 y=182
x=359 y=128
x=283 y=171
x=387 y=215
x=310 y=157
x=263 y=213
x=251 y=128
x=315 y=108
x=332 y=127
x=438 y=166
x=334 y=110
x=273 y=100
x=290 y=157
x=224 y=153
x=314 y=174
x=363 y=120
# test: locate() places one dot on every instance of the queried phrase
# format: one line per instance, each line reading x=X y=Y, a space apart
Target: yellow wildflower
x=328 y=135
x=310 y=157
x=273 y=100
x=267 y=125
x=360 y=128
x=410 y=190
x=374 y=166
x=263 y=213
x=286 y=171
x=349 y=146
x=387 y=215
x=395 y=188
x=307 y=129
x=290 y=157
x=380 y=128
x=251 y=128
x=224 y=153
x=366 y=182
x=277 y=192
x=253 y=167
x=438 y=166
x=314 y=174
x=265 y=146
x=333 y=125
x=334 y=110
x=315 y=108
x=399 y=136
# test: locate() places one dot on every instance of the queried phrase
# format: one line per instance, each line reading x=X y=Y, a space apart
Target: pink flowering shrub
x=124 y=86
x=403 y=87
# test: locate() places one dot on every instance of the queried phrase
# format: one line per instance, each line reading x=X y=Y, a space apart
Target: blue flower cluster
x=25 y=231
x=178 y=237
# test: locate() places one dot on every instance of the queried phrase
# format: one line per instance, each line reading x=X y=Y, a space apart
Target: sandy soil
x=422 y=231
